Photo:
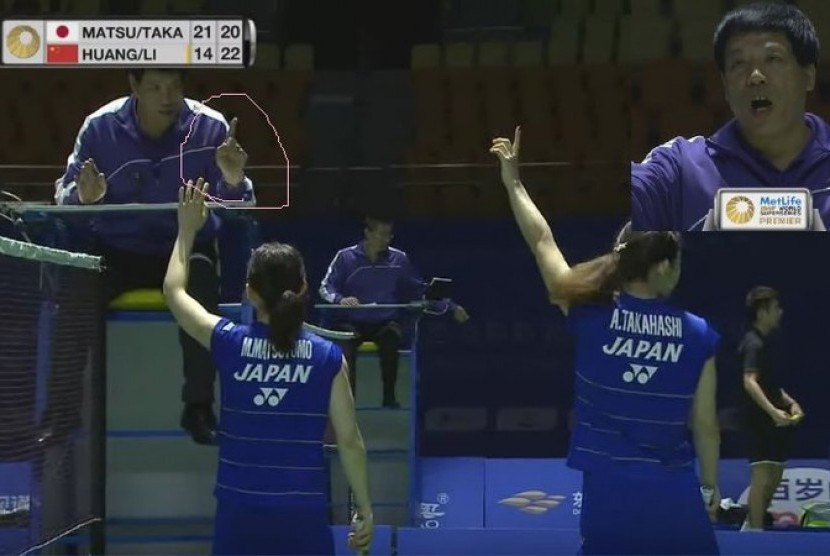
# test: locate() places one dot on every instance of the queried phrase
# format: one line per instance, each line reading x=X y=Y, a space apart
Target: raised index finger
x=232 y=129
x=516 y=138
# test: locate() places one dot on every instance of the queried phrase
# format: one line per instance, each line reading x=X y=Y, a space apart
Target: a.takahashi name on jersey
x=624 y=320
x=631 y=322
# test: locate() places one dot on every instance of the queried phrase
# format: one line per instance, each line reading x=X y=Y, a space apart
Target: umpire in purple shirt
x=767 y=54
x=137 y=149
x=374 y=272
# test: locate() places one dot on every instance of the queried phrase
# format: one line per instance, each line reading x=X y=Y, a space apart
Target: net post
x=98 y=426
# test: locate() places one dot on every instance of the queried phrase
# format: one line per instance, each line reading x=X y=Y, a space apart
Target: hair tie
x=619 y=247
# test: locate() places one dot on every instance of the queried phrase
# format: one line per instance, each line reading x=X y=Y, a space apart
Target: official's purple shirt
x=139 y=169
x=390 y=279
x=675 y=186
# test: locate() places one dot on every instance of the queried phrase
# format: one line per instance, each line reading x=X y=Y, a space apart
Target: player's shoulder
x=228 y=327
x=676 y=149
x=319 y=343
x=108 y=111
x=347 y=252
x=695 y=321
x=752 y=338
x=398 y=254
x=212 y=117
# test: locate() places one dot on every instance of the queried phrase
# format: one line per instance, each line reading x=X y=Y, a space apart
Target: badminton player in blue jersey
x=645 y=387
x=280 y=385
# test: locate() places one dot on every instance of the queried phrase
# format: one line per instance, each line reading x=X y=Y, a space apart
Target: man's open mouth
x=761 y=104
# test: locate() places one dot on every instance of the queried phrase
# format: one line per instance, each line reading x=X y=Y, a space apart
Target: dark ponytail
x=632 y=257
x=286 y=318
x=276 y=272
x=593 y=281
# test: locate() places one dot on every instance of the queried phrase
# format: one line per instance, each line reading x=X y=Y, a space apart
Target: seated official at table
x=130 y=151
x=374 y=272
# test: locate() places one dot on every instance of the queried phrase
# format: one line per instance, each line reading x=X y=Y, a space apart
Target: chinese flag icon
x=62 y=54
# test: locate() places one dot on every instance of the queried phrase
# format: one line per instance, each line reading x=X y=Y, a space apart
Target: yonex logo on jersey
x=640 y=373
x=271 y=396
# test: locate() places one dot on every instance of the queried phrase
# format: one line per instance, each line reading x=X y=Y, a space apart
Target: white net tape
x=39 y=253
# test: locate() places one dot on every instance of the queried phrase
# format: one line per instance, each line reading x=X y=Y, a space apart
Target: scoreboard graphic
x=226 y=42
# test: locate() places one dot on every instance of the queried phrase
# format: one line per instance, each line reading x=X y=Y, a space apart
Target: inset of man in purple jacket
x=131 y=151
x=373 y=272
x=767 y=55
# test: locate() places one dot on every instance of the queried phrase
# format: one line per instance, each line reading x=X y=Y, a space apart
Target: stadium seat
x=608 y=8
x=154 y=7
x=368 y=347
x=499 y=99
x=571 y=8
x=468 y=137
x=598 y=46
x=607 y=82
x=612 y=133
x=644 y=38
x=537 y=13
x=299 y=57
x=459 y=55
x=639 y=143
x=426 y=56
x=685 y=10
x=563 y=47
x=535 y=109
x=688 y=122
x=430 y=106
x=457 y=200
x=140 y=300
x=646 y=7
x=494 y=54
x=575 y=132
x=667 y=83
x=27 y=7
x=187 y=7
x=267 y=55
x=713 y=93
x=696 y=34
x=568 y=85
x=527 y=54
x=288 y=93
x=817 y=10
x=84 y=7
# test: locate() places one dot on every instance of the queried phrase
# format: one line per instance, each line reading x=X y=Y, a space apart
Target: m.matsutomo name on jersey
x=263 y=349
x=132 y=32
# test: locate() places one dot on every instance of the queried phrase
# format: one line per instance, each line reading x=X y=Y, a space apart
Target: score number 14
x=226 y=53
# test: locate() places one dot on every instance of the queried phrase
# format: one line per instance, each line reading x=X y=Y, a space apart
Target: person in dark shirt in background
x=769 y=410
x=373 y=272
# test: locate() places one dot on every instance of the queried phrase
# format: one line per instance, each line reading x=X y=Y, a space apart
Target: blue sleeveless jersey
x=273 y=418
x=637 y=366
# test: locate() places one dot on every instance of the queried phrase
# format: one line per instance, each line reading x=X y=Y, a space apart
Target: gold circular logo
x=23 y=41
x=740 y=209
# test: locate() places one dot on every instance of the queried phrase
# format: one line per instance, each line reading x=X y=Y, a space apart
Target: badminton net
x=51 y=399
